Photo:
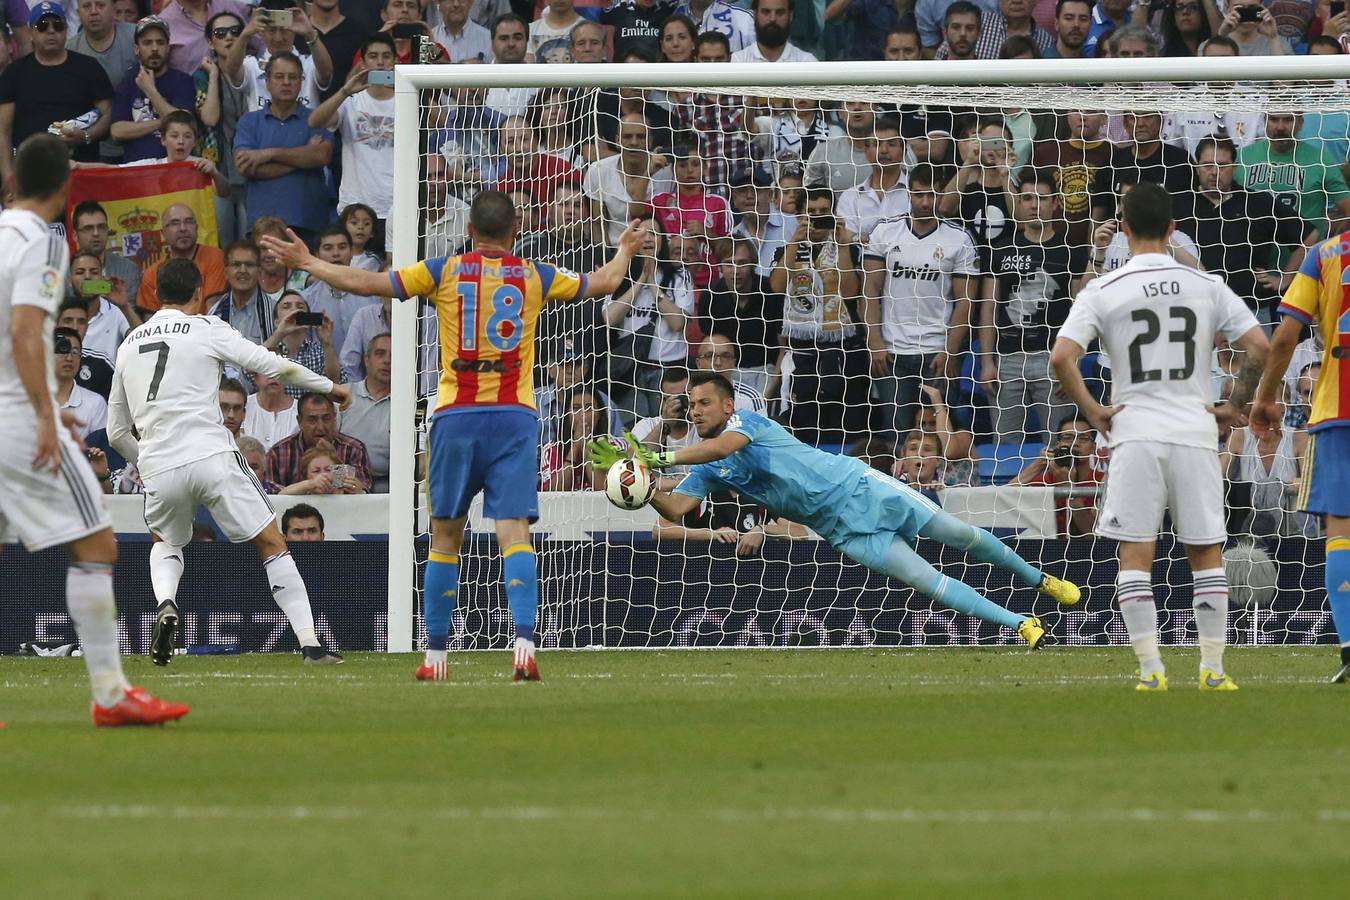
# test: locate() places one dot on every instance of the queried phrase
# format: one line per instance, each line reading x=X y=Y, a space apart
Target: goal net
x=879 y=257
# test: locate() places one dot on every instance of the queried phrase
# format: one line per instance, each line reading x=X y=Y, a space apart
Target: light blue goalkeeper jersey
x=839 y=497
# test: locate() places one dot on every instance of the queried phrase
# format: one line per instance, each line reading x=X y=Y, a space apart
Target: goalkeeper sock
x=905 y=563
x=288 y=590
x=1134 y=593
x=947 y=529
x=520 y=573
x=89 y=597
x=1210 y=602
x=1338 y=586
x=166 y=568
x=440 y=588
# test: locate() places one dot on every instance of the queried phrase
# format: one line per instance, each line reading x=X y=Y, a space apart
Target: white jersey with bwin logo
x=917 y=298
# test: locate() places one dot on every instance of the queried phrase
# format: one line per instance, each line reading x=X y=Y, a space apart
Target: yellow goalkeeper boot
x=1066 y=593
x=1033 y=632
x=1211 y=682
x=1153 y=683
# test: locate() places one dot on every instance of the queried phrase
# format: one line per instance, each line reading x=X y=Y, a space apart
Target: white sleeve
x=967 y=262
x=232 y=347
x=1232 y=317
x=40 y=276
x=876 y=241
x=1083 y=324
x=120 y=433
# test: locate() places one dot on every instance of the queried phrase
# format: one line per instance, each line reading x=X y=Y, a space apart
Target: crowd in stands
x=884 y=279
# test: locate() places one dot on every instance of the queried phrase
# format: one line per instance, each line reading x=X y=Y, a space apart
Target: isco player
x=1157 y=319
x=485 y=429
x=1318 y=296
x=48 y=493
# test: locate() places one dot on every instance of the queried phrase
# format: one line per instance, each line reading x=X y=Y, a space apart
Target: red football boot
x=434 y=672
x=138 y=708
x=527 y=672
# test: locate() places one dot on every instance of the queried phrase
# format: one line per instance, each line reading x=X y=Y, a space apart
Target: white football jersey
x=33 y=264
x=1157 y=319
x=916 y=301
x=166 y=385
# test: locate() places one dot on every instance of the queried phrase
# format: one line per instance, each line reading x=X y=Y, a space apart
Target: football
x=629 y=484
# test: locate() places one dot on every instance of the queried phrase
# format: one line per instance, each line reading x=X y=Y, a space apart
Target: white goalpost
x=604 y=580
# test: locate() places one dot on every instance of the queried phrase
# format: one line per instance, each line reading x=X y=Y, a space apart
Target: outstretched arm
x=606 y=279
x=296 y=255
x=1266 y=412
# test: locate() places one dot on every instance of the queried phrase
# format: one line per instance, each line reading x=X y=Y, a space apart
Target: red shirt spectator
x=690 y=209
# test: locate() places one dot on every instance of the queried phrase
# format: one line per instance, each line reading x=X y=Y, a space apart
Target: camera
x=1249 y=14
x=822 y=223
x=309 y=319
x=1063 y=456
x=61 y=345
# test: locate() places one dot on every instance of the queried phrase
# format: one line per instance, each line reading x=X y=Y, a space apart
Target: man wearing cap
x=150 y=92
x=52 y=89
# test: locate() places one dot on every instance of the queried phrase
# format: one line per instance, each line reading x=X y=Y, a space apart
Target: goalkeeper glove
x=603 y=454
x=650 y=458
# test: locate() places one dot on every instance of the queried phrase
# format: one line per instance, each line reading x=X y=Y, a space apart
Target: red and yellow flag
x=135 y=198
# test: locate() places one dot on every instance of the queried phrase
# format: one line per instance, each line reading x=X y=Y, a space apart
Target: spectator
x=509 y=39
x=670 y=429
x=233 y=398
x=1111 y=250
x=1190 y=128
x=148 y=93
x=691 y=209
x=978 y=194
x=359 y=220
x=625 y=183
x=91 y=236
x=112 y=44
x=1242 y=234
x=587 y=42
x=718 y=354
x=565 y=465
x=302 y=522
x=1109 y=16
x=1077 y=157
x=187 y=21
x=522 y=168
x=960 y=460
x=311 y=346
x=1147 y=157
x=1073 y=21
x=866 y=24
x=1328 y=130
x=565 y=371
x=1067 y=463
x=318 y=423
x=742 y=306
x=321 y=473
x=90 y=410
x=179 y=228
x=96 y=371
x=366 y=324
x=964 y=34
x=128 y=11
x=568 y=242
x=884 y=195
x=556 y=23
x=1271 y=467
x=1033 y=277
x=1297 y=171
x=792 y=131
x=920 y=464
x=637 y=25
x=732 y=22
x=1015 y=20
x=270 y=413
x=111 y=316
x=931 y=15
x=758 y=218
x=1254 y=36
x=1184 y=27
x=248 y=73
x=254 y=455
x=717 y=120
x=243 y=303
x=822 y=365
x=219 y=106
x=362 y=115
x=367 y=419
x=49 y=86
x=1133 y=42
x=282 y=157
x=447 y=215
x=178 y=138
x=340 y=307
x=461 y=36
x=773 y=22
x=791 y=188
x=555 y=115
x=341 y=37
x=409 y=12
x=840 y=161
x=920 y=277
x=677 y=37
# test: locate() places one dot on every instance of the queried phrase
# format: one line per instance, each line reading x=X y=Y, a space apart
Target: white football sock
x=436 y=656
x=89 y=597
x=524 y=652
x=288 y=590
x=166 y=568
x=1134 y=594
x=1210 y=602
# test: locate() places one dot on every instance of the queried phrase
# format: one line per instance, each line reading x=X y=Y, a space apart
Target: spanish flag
x=136 y=197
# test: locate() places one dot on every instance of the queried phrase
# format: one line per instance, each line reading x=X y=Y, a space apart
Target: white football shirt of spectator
x=724 y=18
x=106 y=330
x=270 y=427
x=1188 y=129
x=512 y=101
x=605 y=182
x=367 y=129
x=1163 y=382
x=861 y=208
x=91 y=411
x=166 y=382
x=667 y=345
x=791 y=53
x=916 y=300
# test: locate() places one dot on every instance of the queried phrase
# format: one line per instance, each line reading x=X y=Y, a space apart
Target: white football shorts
x=223 y=483
x=1145 y=479
x=42 y=509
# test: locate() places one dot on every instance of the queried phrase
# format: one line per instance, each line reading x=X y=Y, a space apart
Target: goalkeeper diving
x=863 y=513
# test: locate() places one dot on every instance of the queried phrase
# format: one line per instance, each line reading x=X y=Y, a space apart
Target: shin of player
x=48 y=494
x=1157 y=319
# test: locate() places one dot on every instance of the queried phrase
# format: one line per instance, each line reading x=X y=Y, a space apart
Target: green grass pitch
x=850 y=773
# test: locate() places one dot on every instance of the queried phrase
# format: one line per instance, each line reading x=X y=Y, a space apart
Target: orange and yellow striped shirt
x=1320 y=295
x=487 y=305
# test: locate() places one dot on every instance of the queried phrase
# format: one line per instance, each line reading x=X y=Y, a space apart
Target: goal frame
x=411 y=80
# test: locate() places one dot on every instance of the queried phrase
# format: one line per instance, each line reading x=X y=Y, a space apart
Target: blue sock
x=1338 y=585
x=904 y=563
x=520 y=573
x=947 y=529
x=440 y=587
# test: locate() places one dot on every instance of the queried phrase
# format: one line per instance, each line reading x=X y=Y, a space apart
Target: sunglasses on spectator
x=51 y=24
x=227 y=31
